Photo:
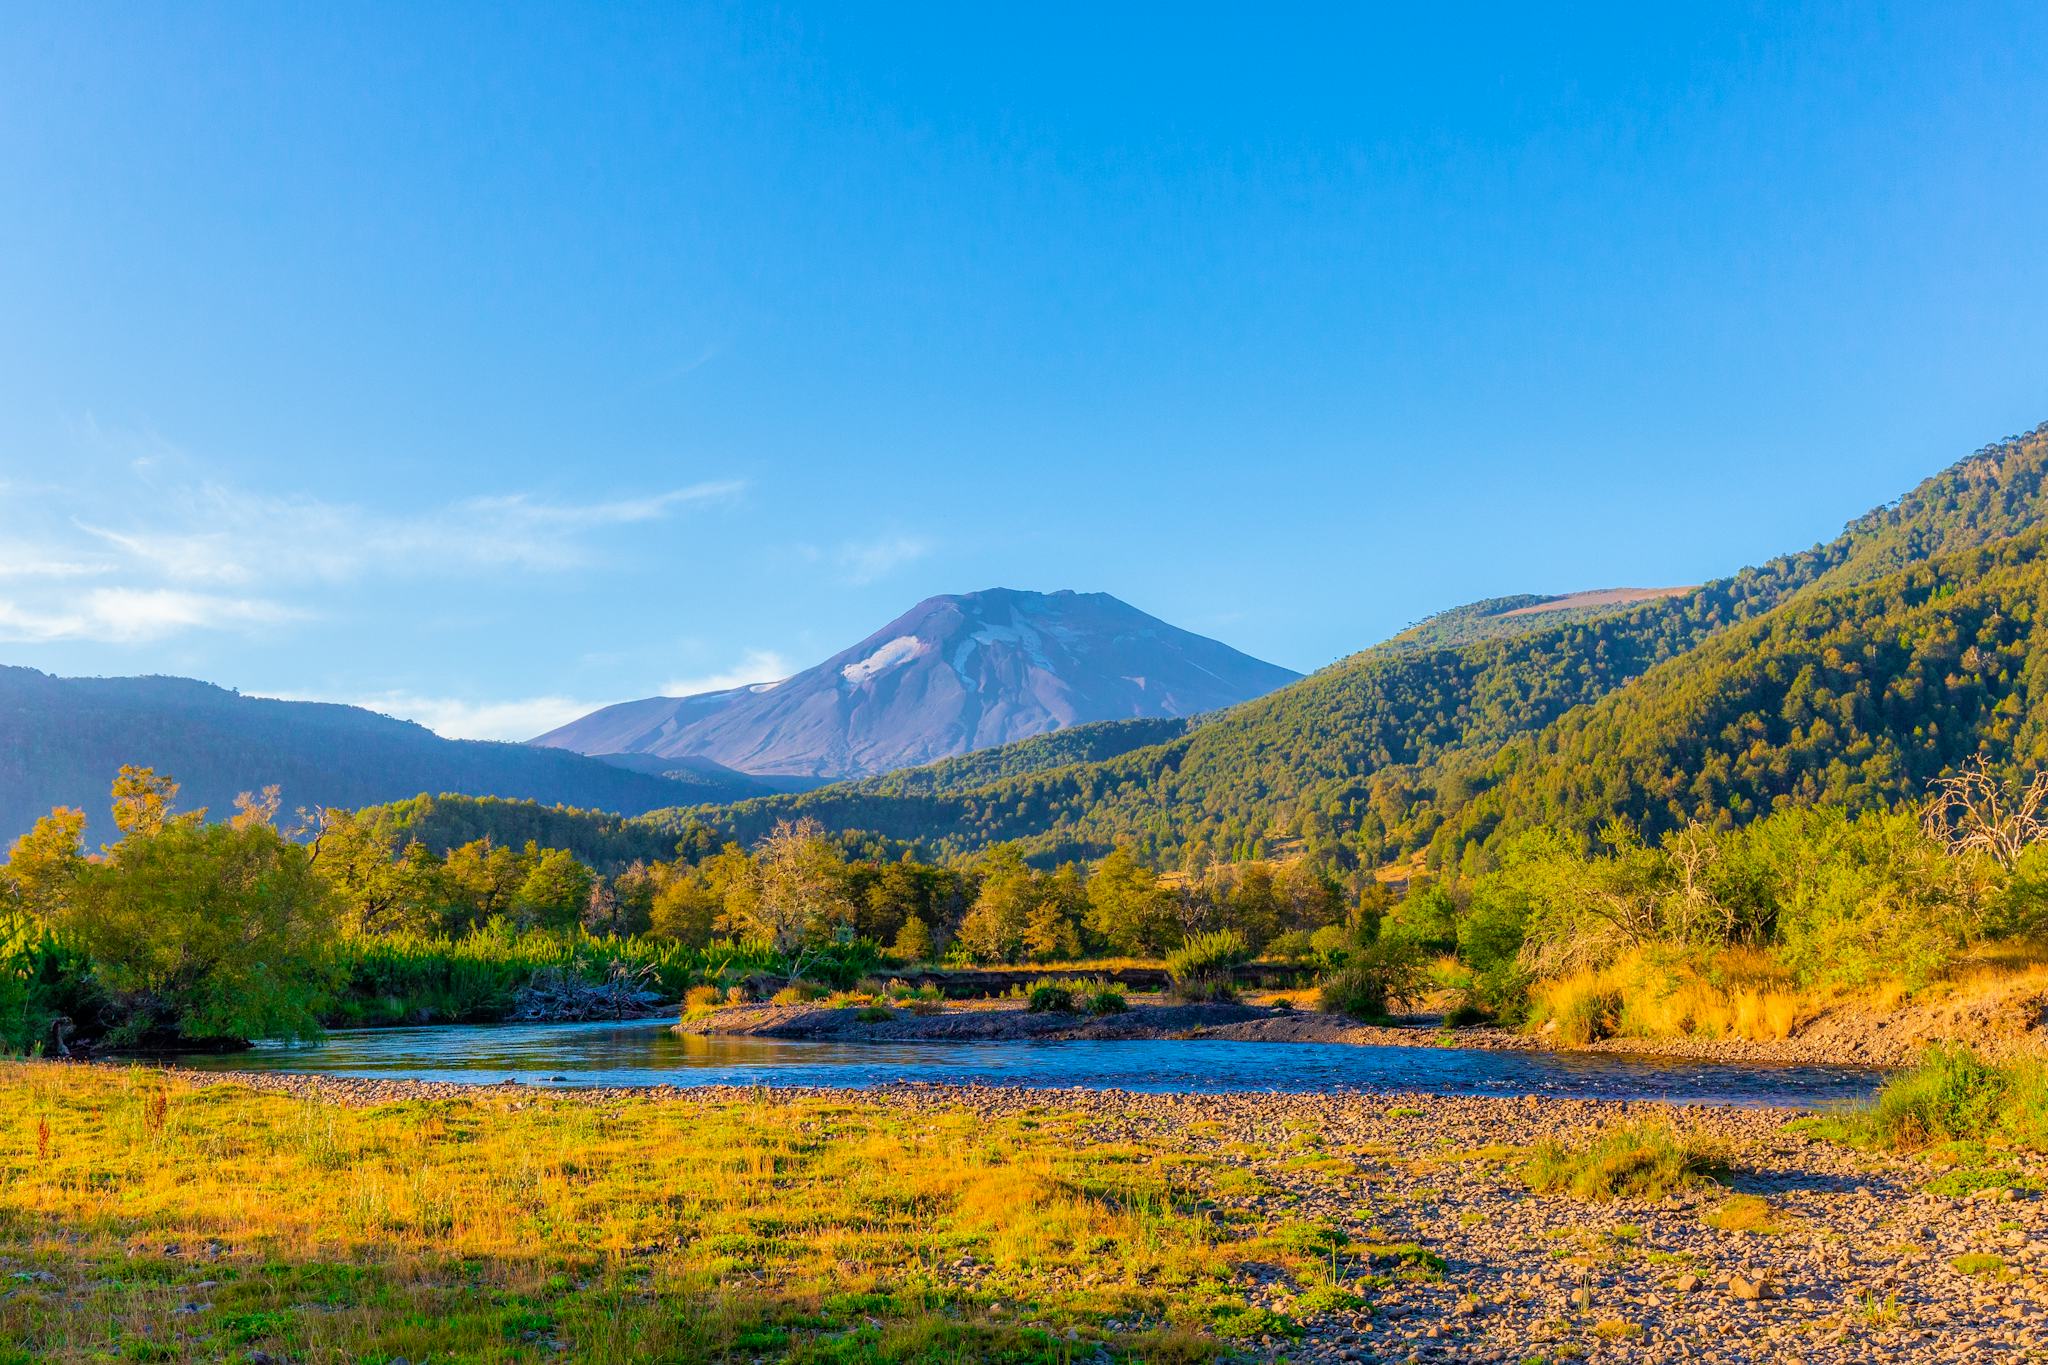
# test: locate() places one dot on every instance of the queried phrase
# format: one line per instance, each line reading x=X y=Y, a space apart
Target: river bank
x=2000 y=1017
x=1326 y=1228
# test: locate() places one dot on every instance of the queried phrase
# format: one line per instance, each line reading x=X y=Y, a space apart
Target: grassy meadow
x=147 y=1217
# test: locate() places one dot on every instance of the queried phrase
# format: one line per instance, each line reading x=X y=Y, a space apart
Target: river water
x=648 y=1052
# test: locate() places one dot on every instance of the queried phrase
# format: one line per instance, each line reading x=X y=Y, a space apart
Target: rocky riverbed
x=1845 y=1038
x=1805 y=1250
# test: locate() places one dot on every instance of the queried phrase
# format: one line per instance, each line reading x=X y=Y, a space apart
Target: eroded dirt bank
x=2003 y=1019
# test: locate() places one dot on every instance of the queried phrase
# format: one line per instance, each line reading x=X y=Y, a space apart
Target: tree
x=1971 y=811
x=483 y=880
x=143 y=801
x=1052 y=926
x=206 y=932
x=798 y=892
x=42 y=869
x=1127 y=911
x=555 y=891
x=913 y=941
x=993 y=930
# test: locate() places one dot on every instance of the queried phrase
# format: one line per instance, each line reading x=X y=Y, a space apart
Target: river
x=649 y=1052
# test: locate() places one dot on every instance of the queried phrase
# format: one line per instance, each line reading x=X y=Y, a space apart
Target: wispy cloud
x=216 y=534
x=176 y=551
x=756 y=666
x=515 y=720
x=27 y=561
x=130 y=615
x=864 y=562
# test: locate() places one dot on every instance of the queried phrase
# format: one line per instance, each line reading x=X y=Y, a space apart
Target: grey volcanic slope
x=951 y=675
x=63 y=739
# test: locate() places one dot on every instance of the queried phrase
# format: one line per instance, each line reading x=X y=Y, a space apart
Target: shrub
x=1296 y=945
x=1580 y=1008
x=1107 y=998
x=1201 y=969
x=1635 y=1161
x=1376 y=977
x=1951 y=1095
x=701 y=997
x=874 y=1014
x=798 y=993
x=1332 y=943
x=1049 y=996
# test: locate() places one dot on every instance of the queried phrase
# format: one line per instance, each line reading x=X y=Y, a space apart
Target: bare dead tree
x=1971 y=811
x=316 y=821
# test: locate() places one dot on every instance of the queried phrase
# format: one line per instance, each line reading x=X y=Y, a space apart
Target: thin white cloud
x=516 y=720
x=757 y=666
x=24 y=561
x=227 y=536
x=864 y=562
x=129 y=615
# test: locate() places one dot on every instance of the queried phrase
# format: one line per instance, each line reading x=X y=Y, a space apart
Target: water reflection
x=644 y=1053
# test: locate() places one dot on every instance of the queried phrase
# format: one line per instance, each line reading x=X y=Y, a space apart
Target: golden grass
x=176 y=1220
x=1745 y=1213
x=1739 y=993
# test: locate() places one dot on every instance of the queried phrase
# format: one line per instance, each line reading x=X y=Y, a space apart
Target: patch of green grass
x=1979 y=1263
x=1631 y=1161
x=1967 y=1180
x=1952 y=1095
x=1327 y=1298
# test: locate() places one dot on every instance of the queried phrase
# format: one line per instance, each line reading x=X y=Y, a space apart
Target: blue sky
x=488 y=364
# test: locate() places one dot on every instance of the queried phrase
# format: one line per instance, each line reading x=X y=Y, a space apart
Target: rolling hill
x=63 y=739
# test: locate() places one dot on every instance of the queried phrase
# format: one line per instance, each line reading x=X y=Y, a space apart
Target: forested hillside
x=1856 y=698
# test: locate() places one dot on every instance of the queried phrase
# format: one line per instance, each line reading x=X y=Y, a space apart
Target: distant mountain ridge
x=63 y=739
x=953 y=675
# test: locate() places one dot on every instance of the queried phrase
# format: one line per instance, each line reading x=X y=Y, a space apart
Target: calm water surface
x=649 y=1053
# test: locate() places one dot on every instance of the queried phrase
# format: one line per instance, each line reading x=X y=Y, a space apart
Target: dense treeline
x=186 y=931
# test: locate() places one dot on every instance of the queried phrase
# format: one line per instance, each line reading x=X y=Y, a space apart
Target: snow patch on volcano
x=896 y=653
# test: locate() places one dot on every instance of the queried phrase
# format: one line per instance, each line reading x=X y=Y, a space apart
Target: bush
x=701 y=997
x=1951 y=1095
x=1372 y=980
x=1107 y=998
x=1633 y=1161
x=799 y=993
x=1296 y=945
x=1048 y=996
x=1332 y=943
x=1201 y=969
x=1580 y=1009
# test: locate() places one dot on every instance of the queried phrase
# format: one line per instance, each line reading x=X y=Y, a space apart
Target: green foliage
x=1372 y=979
x=206 y=932
x=1646 y=1160
x=1952 y=1095
x=1106 y=997
x=1049 y=996
x=411 y=978
x=1201 y=968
